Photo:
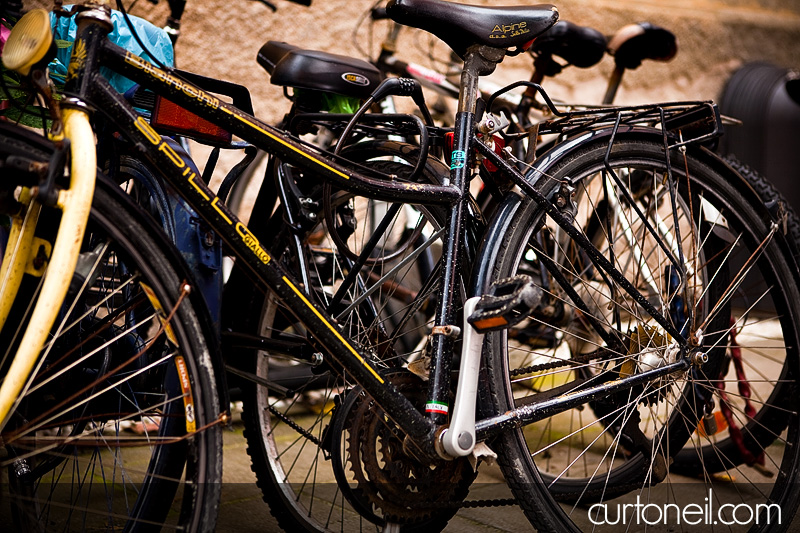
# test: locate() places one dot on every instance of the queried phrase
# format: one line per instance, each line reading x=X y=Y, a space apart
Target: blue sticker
x=458 y=158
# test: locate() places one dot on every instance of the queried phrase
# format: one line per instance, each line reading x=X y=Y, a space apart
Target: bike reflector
x=499 y=144
x=448 y=147
x=175 y=119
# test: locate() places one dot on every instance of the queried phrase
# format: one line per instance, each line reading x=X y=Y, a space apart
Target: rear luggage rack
x=689 y=122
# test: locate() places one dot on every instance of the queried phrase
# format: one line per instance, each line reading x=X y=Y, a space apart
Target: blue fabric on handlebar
x=154 y=38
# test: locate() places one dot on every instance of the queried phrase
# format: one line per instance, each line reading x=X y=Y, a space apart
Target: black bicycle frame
x=86 y=87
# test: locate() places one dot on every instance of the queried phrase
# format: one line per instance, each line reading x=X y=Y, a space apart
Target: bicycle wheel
x=320 y=465
x=117 y=426
x=739 y=292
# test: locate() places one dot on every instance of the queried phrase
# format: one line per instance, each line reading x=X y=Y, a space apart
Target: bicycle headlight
x=29 y=41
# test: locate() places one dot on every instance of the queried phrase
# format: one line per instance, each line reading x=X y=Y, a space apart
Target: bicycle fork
x=75 y=204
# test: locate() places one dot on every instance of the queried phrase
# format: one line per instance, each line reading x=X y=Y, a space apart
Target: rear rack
x=689 y=122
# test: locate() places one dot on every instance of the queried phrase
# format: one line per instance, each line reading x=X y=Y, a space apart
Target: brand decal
x=178 y=84
x=436 y=407
x=78 y=59
x=458 y=159
x=250 y=240
x=355 y=79
x=188 y=399
x=503 y=31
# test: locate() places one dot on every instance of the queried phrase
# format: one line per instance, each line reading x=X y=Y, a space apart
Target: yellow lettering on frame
x=147 y=130
x=197 y=187
x=176 y=159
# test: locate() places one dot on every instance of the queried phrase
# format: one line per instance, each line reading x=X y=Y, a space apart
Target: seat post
x=480 y=60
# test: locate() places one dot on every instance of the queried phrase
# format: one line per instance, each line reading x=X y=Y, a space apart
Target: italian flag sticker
x=436 y=407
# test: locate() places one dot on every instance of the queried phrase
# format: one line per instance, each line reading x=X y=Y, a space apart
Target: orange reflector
x=492 y=322
x=175 y=119
x=722 y=425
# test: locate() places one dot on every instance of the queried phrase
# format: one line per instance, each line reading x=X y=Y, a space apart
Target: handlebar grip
x=407 y=87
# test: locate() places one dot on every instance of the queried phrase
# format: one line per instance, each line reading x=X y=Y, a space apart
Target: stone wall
x=220 y=38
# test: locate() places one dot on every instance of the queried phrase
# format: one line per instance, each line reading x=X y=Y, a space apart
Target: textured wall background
x=221 y=38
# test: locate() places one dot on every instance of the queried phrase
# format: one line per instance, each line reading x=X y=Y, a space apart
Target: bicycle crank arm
x=75 y=203
x=458 y=439
x=536 y=411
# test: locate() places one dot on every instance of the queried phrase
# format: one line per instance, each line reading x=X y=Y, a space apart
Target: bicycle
x=581 y=46
x=647 y=362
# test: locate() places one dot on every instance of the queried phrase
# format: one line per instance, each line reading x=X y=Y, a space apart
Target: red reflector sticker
x=175 y=119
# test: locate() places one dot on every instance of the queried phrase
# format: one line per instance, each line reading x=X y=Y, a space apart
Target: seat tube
x=445 y=330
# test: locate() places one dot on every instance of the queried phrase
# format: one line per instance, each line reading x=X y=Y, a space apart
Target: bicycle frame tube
x=96 y=90
x=264 y=136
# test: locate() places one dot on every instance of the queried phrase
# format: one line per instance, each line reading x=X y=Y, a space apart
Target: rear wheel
x=673 y=440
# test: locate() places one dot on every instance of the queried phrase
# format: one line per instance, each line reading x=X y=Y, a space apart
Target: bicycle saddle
x=462 y=26
x=581 y=46
x=291 y=66
x=636 y=42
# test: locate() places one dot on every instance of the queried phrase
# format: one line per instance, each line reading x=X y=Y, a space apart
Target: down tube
x=248 y=250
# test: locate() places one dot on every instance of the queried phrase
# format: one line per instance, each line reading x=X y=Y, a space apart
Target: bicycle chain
x=292 y=424
x=473 y=504
x=577 y=360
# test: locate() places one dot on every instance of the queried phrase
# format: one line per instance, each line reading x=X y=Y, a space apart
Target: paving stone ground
x=243 y=511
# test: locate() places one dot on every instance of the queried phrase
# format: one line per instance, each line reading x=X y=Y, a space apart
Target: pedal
x=508 y=302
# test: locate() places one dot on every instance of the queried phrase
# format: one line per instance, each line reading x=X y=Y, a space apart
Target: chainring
x=378 y=478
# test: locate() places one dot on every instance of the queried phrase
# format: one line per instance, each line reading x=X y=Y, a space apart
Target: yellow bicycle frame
x=75 y=204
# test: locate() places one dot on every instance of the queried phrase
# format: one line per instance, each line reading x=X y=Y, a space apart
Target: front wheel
x=117 y=427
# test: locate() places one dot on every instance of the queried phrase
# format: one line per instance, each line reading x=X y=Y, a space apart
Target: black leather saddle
x=291 y=66
x=636 y=42
x=462 y=26
x=580 y=46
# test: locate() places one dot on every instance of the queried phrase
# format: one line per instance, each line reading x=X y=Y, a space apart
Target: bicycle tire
x=298 y=500
x=754 y=437
x=525 y=461
x=770 y=194
x=118 y=427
